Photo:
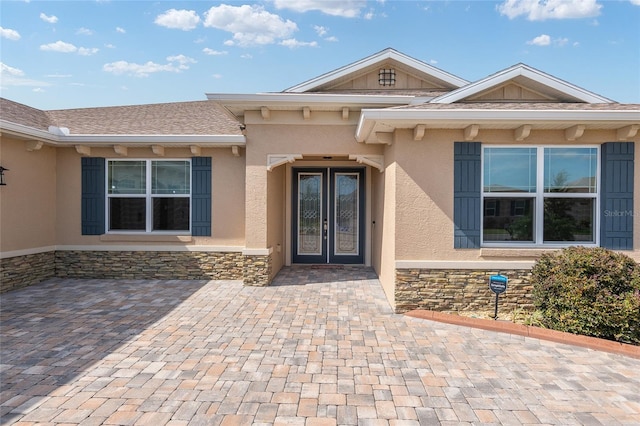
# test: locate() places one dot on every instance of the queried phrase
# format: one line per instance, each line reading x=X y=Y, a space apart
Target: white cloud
x=212 y=52
x=292 y=43
x=183 y=61
x=10 y=76
x=87 y=51
x=6 y=69
x=120 y=30
x=250 y=25
x=184 y=20
x=39 y=90
x=9 y=34
x=545 y=40
x=63 y=47
x=59 y=46
x=343 y=8
x=635 y=2
x=331 y=38
x=540 y=10
x=143 y=70
x=541 y=40
x=84 y=31
x=50 y=19
x=320 y=30
x=58 y=75
x=217 y=76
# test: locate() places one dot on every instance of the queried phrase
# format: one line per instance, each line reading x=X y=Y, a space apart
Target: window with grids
x=539 y=195
x=148 y=195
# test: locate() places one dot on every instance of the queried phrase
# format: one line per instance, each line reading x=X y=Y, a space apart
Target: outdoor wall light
x=2 y=170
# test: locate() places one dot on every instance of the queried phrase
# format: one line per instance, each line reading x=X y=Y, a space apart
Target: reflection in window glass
x=510 y=170
x=127 y=214
x=510 y=219
x=170 y=214
x=570 y=170
x=569 y=219
x=127 y=177
x=170 y=177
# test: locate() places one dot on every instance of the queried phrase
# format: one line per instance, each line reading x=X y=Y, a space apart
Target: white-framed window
x=148 y=195
x=540 y=195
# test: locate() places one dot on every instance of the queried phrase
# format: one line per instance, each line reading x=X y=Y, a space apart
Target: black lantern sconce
x=2 y=170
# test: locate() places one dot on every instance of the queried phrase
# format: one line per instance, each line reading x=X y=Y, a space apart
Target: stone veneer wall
x=456 y=290
x=170 y=265
x=257 y=270
x=22 y=271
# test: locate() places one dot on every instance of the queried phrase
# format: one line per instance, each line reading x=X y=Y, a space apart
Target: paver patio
x=318 y=347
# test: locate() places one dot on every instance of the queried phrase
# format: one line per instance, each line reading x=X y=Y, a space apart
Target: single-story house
x=433 y=181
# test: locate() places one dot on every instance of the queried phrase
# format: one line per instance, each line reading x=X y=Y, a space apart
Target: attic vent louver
x=387 y=77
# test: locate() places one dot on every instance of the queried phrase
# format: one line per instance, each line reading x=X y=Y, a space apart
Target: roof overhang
x=58 y=139
x=374 y=122
x=237 y=104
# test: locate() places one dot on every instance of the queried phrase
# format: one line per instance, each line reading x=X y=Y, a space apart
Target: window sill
x=515 y=251
x=145 y=238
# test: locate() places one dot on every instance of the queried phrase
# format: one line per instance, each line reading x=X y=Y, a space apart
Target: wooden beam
x=158 y=150
x=574 y=132
x=195 y=150
x=522 y=132
x=470 y=132
x=120 y=150
x=83 y=150
x=385 y=137
x=266 y=113
x=33 y=145
x=627 y=132
x=418 y=132
x=306 y=113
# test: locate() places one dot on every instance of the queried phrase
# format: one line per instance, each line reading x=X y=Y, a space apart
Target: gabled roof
x=529 y=77
x=420 y=68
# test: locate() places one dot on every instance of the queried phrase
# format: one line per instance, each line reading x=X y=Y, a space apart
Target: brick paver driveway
x=318 y=347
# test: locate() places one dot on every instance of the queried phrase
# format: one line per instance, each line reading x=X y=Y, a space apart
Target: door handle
x=325 y=228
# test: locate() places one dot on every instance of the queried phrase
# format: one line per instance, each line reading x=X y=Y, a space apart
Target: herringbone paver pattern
x=319 y=347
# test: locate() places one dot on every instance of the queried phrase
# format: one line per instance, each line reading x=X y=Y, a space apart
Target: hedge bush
x=589 y=291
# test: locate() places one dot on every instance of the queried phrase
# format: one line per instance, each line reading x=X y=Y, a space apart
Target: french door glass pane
x=127 y=177
x=569 y=219
x=170 y=214
x=508 y=219
x=310 y=213
x=127 y=214
x=570 y=170
x=170 y=177
x=346 y=214
x=510 y=170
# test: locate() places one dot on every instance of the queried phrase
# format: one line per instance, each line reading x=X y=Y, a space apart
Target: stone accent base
x=22 y=271
x=456 y=290
x=257 y=270
x=163 y=265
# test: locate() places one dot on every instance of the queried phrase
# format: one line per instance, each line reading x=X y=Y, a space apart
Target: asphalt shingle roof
x=178 y=118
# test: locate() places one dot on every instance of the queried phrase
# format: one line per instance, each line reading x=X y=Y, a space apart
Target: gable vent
x=387 y=77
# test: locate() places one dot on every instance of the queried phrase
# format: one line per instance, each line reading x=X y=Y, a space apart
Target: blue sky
x=74 y=54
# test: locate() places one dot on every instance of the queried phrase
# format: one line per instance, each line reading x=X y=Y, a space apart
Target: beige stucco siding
x=385 y=216
x=276 y=216
x=227 y=198
x=424 y=202
x=27 y=202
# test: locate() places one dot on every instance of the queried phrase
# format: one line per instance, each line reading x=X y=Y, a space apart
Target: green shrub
x=589 y=291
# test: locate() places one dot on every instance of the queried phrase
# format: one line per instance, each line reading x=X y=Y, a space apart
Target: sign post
x=497 y=284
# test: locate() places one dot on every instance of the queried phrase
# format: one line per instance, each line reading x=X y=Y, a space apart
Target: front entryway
x=328 y=215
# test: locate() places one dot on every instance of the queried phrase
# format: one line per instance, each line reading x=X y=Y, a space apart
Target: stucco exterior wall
x=276 y=217
x=27 y=202
x=227 y=199
x=386 y=217
x=424 y=204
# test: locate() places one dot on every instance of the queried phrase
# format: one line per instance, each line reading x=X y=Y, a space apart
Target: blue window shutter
x=616 y=202
x=201 y=196
x=93 y=195
x=466 y=194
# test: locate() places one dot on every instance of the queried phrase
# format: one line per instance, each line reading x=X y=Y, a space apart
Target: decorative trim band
x=464 y=264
